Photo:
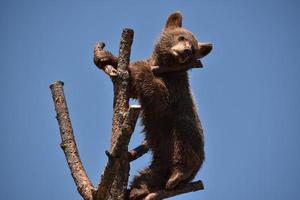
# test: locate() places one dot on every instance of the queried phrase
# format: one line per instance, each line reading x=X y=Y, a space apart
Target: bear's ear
x=203 y=49
x=174 y=20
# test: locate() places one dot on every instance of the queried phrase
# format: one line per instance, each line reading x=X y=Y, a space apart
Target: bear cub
x=172 y=127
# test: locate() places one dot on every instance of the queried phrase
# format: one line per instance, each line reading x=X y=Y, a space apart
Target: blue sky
x=248 y=92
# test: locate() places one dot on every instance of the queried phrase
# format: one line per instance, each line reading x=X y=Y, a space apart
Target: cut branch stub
x=138 y=151
x=68 y=144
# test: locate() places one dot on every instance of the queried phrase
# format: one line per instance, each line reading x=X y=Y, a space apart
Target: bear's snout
x=182 y=51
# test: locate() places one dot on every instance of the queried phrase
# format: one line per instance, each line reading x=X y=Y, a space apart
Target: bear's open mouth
x=182 y=56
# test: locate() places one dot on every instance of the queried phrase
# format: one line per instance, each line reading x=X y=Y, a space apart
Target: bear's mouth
x=182 y=56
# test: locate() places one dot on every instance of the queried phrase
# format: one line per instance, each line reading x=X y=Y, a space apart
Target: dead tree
x=113 y=182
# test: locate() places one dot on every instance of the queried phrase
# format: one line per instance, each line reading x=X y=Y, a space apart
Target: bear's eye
x=181 y=38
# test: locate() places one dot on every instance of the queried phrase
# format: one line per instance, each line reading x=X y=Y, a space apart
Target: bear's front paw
x=105 y=60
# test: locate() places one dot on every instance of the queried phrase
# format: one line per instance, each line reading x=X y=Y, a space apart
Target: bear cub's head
x=178 y=46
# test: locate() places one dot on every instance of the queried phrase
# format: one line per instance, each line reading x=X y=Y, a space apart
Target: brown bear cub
x=169 y=115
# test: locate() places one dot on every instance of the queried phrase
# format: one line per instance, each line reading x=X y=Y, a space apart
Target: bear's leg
x=103 y=57
x=188 y=153
x=178 y=176
x=148 y=181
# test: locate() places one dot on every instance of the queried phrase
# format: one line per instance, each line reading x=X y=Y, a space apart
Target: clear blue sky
x=248 y=92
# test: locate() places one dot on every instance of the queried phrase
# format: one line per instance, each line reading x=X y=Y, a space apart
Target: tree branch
x=114 y=181
x=115 y=158
x=163 y=194
x=157 y=70
x=138 y=151
x=68 y=144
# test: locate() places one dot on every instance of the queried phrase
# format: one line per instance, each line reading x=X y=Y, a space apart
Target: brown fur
x=171 y=124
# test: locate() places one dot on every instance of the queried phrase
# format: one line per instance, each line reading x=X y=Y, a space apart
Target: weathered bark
x=118 y=161
x=68 y=144
x=115 y=162
x=114 y=181
x=120 y=83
